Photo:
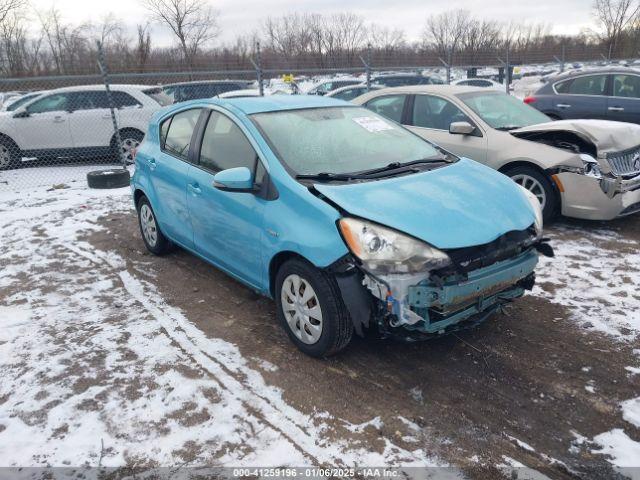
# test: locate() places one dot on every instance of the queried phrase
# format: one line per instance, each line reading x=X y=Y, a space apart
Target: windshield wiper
x=506 y=128
x=328 y=176
x=373 y=173
x=398 y=165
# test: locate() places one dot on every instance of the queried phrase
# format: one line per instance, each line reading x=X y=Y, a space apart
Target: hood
x=607 y=136
x=460 y=205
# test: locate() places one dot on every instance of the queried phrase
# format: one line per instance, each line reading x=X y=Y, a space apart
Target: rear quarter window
x=177 y=131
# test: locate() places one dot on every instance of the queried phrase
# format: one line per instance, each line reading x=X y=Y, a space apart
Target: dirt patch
x=520 y=377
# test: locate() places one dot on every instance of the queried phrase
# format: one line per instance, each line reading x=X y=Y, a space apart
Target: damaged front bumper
x=423 y=305
x=603 y=198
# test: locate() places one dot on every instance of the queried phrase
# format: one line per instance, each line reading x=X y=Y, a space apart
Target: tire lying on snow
x=115 y=178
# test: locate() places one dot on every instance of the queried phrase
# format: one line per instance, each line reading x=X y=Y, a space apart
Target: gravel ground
x=115 y=357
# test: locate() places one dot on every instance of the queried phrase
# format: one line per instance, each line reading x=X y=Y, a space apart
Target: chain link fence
x=54 y=129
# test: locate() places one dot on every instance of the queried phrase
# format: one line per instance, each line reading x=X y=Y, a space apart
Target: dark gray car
x=606 y=94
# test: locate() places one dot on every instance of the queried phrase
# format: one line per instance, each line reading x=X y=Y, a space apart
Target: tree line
x=37 y=43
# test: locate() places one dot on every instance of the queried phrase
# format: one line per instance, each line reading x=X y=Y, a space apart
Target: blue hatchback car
x=348 y=220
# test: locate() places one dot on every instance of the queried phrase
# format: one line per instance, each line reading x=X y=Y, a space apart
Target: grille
x=626 y=162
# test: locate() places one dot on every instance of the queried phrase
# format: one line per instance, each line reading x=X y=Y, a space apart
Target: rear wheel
x=539 y=185
x=311 y=310
x=9 y=154
x=152 y=236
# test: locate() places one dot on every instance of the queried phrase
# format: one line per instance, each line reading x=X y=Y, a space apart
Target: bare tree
x=7 y=7
x=444 y=32
x=143 y=46
x=614 y=16
x=193 y=22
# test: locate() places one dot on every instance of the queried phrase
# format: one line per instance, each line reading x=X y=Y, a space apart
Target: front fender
x=302 y=224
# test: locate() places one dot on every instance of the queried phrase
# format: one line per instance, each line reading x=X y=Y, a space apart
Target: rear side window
x=224 y=145
x=627 y=86
x=124 y=100
x=436 y=113
x=159 y=95
x=176 y=132
x=562 y=87
x=589 y=85
x=390 y=106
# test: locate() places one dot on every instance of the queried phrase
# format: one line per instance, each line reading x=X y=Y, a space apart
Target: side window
x=390 y=106
x=436 y=113
x=164 y=129
x=224 y=145
x=124 y=100
x=562 y=87
x=89 y=100
x=589 y=85
x=179 y=132
x=52 y=103
x=626 y=86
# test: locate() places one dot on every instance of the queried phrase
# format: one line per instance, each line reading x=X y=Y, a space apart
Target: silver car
x=580 y=168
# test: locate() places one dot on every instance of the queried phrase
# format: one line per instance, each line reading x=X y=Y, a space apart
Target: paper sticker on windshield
x=373 y=124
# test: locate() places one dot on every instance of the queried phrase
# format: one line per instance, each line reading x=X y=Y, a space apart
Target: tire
x=152 y=236
x=9 y=154
x=539 y=184
x=336 y=328
x=113 y=178
x=131 y=139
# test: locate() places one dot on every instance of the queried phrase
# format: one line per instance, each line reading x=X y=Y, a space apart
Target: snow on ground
x=591 y=277
x=98 y=369
x=596 y=274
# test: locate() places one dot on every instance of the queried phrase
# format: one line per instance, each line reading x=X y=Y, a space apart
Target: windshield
x=502 y=111
x=339 y=140
x=21 y=101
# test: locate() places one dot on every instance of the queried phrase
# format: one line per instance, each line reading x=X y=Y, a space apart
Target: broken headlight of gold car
x=384 y=250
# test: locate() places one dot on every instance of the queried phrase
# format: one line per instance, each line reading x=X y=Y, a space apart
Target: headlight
x=537 y=208
x=385 y=250
x=591 y=166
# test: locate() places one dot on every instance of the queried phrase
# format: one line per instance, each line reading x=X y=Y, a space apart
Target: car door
x=227 y=225
x=46 y=124
x=582 y=97
x=90 y=119
x=430 y=116
x=624 y=103
x=170 y=175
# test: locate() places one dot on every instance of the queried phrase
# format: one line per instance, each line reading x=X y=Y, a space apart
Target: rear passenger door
x=227 y=225
x=582 y=97
x=170 y=175
x=90 y=119
x=624 y=103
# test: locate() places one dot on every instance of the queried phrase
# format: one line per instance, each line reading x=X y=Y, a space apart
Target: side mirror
x=461 y=128
x=239 y=179
x=21 y=114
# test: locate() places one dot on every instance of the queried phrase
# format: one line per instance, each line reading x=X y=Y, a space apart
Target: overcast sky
x=240 y=16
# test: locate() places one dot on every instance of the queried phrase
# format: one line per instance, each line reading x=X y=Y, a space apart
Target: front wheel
x=9 y=155
x=540 y=185
x=311 y=310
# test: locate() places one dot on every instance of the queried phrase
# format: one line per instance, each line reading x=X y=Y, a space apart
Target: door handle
x=616 y=109
x=194 y=188
x=152 y=163
x=107 y=116
x=58 y=119
x=563 y=105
